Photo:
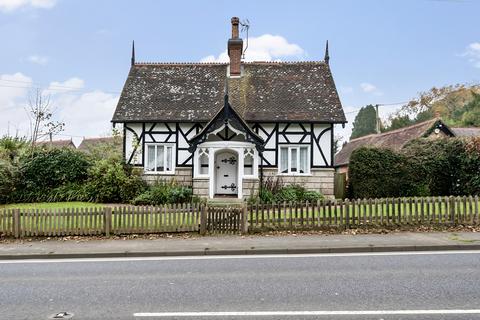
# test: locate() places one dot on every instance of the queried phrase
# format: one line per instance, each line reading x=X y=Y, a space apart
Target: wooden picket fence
x=251 y=217
x=364 y=212
x=98 y=221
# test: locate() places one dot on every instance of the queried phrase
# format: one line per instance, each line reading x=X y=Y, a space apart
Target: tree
x=365 y=122
x=40 y=114
x=399 y=121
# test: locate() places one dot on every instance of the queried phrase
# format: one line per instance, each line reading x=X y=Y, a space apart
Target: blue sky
x=381 y=51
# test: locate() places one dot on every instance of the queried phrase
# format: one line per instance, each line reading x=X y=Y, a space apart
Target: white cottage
x=223 y=127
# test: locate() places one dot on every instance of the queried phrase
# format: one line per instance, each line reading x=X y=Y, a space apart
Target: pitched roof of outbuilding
x=266 y=91
x=57 y=144
x=88 y=144
x=466 y=132
x=394 y=139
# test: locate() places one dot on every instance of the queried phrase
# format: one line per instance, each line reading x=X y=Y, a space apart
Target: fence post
x=451 y=209
x=107 y=220
x=244 y=225
x=203 y=220
x=16 y=223
x=347 y=214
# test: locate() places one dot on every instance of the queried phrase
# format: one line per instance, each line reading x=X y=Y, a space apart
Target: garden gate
x=224 y=220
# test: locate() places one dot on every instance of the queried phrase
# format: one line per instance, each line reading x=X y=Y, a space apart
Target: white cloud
x=12 y=5
x=85 y=113
x=41 y=60
x=473 y=53
x=266 y=47
x=370 y=88
x=71 y=84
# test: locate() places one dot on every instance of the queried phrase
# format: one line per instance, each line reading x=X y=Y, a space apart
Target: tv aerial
x=245 y=26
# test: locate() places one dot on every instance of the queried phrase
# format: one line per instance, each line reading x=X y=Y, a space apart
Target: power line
x=379 y=104
x=59 y=88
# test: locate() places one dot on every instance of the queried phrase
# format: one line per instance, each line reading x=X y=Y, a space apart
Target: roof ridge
x=396 y=130
x=144 y=63
x=179 y=63
x=286 y=62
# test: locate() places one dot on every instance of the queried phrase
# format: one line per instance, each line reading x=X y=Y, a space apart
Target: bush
x=423 y=167
x=51 y=168
x=163 y=193
x=109 y=180
x=379 y=173
x=289 y=193
x=44 y=170
x=8 y=181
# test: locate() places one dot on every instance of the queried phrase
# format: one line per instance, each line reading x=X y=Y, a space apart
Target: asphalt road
x=351 y=284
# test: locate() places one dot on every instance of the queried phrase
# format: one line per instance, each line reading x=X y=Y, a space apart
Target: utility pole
x=377 y=118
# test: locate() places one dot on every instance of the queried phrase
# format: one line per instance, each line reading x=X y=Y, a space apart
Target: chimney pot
x=235 y=49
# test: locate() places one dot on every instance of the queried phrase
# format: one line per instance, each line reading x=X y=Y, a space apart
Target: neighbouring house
x=395 y=139
x=101 y=145
x=223 y=127
x=57 y=144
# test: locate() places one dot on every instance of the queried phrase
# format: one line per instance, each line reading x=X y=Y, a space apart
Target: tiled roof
x=394 y=140
x=267 y=91
x=466 y=132
x=88 y=144
x=57 y=144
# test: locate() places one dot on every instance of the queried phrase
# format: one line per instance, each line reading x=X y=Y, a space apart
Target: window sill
x=201 y=177
x=157 y=173
x=295 y=174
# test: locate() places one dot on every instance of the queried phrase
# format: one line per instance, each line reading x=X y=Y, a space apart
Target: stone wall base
x=182 y=176
x=320 y=180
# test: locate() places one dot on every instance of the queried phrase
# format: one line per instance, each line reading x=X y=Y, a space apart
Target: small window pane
x=248 y=165
x=293 y=160
x=283 y=160
x=150 y=158
x=169 y=159
x=303 y=160
x=160 y=158
x=203 y=163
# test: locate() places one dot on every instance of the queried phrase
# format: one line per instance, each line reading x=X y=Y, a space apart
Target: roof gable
x=227 y=118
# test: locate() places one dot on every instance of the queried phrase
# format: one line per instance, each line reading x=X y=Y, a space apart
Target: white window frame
x=289 y=160
x=253 y=152
x=197 y=162
x=165 y=145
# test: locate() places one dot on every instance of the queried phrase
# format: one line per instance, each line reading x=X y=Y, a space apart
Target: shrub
x=163 y=193
x=8 y=180
x=436 y=163
x=312 y=196
x=109 y=180
x=46 y=169
x=423 y=167
x=51 y=168
x=379 y=173
x=289 y=193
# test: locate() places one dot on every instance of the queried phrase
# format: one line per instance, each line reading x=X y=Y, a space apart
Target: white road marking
x=248 y=256
x=306 y=313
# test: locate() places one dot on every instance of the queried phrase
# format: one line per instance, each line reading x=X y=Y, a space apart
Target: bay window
x=159 y=158
x=294 y=160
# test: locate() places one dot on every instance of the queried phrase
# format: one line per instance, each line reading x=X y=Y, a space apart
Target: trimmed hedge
x=424 y=167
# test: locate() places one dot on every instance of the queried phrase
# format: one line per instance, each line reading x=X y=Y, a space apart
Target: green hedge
x=423 y=167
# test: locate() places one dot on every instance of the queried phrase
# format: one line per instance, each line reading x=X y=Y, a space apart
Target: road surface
x=429 y=285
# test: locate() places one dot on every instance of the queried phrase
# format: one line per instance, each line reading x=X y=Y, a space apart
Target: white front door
x=226 y=164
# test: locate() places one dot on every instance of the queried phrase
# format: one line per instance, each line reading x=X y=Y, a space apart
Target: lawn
x=51 y=205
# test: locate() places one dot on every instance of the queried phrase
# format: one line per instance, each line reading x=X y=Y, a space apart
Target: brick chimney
x=235 y=48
